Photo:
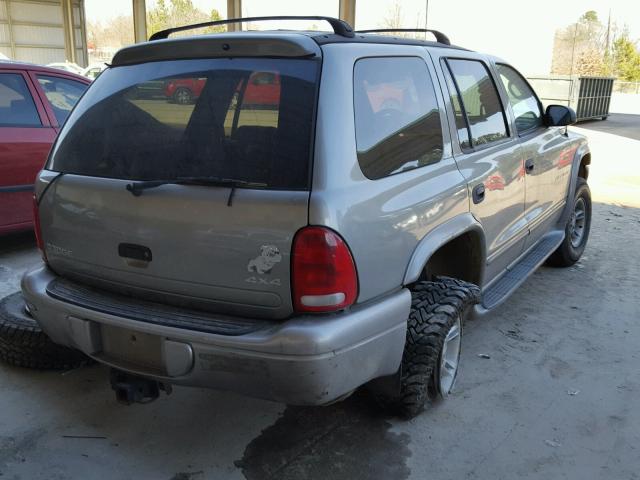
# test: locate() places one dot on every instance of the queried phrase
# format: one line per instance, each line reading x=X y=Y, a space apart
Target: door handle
x=478 y=193
x=528 y=165
x=135 y=252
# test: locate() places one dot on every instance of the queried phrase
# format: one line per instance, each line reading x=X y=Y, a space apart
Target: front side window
x=522 y=99
x=480 y=100
x=247 y=119
x=62 y=94
x=396 y=116
x=16 y=105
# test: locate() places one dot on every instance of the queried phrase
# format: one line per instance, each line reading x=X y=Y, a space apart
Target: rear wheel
x=576 y=230
x=183 y=96
x=431 y=358
x=24 y=344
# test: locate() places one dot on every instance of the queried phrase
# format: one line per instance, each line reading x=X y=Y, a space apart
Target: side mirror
x=560 y=116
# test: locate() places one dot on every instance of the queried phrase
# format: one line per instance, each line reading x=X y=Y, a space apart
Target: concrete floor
x=558 y=397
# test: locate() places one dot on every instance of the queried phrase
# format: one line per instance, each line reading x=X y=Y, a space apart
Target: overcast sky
x=520 y=32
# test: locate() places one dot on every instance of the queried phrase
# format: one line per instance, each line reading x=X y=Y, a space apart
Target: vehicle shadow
x=621 y=124
x=16 y=242
x=347 y=440
x=192 y=434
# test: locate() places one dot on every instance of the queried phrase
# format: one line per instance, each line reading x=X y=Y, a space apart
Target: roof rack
x=340 y=27
x=440 y=37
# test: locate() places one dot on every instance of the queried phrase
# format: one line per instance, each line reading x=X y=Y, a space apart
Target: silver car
x=325 y=215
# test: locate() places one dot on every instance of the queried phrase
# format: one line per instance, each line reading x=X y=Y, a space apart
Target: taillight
x=322 y=271
x=37 y=230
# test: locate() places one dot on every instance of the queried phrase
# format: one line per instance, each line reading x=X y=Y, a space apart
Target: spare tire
x=24 y=344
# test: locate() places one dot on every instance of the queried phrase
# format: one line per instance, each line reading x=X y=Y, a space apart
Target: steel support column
x=347 y=11
x=69 y=31
x=234 y=10
x=12 y=43
x=83 y=32
x=139 y=20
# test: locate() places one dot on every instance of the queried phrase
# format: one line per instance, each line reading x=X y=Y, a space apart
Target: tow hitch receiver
x=135 y=389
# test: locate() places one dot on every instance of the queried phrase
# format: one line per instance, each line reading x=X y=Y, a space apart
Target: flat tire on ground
x=430 y=362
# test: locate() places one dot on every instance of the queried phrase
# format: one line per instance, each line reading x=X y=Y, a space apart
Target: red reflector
x=322 y=270
x=36 y=229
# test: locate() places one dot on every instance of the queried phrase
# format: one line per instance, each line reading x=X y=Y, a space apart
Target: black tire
x=183 y=96
x=435 y=307
x=567 y=253
x=24 y=344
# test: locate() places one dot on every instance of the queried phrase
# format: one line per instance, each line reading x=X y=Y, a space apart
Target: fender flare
x=439 y=236
x=581 y=151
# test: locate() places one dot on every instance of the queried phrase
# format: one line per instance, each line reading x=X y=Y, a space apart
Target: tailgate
x=206 y=246
x=201 y=252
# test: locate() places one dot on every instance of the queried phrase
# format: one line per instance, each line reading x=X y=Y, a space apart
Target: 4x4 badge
x=268 y=258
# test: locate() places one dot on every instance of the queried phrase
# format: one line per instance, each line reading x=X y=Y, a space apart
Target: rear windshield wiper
x=136 y=188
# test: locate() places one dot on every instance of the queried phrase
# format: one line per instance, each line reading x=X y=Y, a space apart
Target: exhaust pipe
x=132 y=389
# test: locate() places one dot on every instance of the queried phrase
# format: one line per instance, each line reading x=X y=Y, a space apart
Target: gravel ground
x=556 y=399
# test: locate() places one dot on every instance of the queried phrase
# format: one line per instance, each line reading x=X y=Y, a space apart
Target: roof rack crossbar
x=440 y=37
x=340 y=27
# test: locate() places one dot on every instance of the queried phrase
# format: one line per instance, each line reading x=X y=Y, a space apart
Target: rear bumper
x=308 y=360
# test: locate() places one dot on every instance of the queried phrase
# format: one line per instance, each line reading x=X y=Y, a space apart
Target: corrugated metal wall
x=34 y=31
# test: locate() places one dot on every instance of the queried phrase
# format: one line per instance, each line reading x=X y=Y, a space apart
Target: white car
x=67 y=66
x=93 y=70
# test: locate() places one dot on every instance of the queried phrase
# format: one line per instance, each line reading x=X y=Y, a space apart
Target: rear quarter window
x=396 y=116
x=62 y=94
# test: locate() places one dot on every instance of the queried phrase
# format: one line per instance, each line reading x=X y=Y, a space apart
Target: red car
x=263 y=89
x=34 y=102
x=184 y=90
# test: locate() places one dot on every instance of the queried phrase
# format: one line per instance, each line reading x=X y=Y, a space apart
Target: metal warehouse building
x=43 y=31
x=46 y=31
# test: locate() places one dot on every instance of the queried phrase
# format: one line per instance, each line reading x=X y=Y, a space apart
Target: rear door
x=212 y=247
x=489 y=157
x=25 y=139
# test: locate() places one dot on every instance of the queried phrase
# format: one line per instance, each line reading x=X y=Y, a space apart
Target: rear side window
x=16 y=105
x=479 y=100
x=524 y=102
x=245 y=119
x=62 y=94
x=461 y=121
x=396 y=116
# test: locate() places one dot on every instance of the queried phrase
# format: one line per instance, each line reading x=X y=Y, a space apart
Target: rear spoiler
x=245 y=44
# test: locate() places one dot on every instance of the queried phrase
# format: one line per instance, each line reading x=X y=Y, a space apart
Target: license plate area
x=133 y=350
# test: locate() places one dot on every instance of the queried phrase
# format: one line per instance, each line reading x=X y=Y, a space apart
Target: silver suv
x=324 y=213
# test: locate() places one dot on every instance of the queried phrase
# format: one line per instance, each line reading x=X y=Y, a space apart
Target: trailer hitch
x=132 y=389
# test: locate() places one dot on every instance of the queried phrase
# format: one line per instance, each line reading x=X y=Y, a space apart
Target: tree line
x=118 y=32
x=589 y=47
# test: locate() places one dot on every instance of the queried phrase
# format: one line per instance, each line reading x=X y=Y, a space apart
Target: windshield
x=246 y=119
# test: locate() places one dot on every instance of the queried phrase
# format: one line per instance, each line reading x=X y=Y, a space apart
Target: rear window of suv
x=243 y=119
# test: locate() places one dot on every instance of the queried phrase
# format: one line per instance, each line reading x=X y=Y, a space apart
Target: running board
x=516 y=274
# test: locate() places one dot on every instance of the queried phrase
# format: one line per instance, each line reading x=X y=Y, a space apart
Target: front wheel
x=576 y=230
x=431 y=357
